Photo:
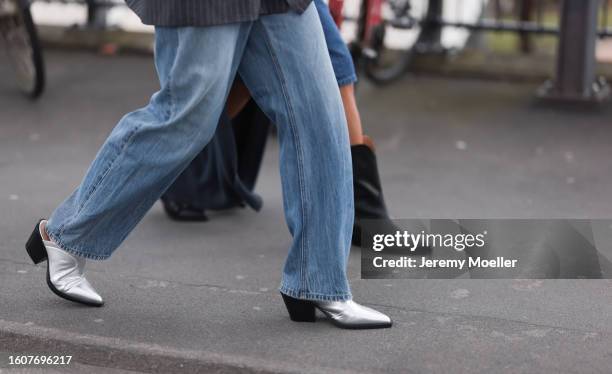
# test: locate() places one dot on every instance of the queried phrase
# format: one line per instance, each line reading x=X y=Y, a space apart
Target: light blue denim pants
x=341 y=58
x=284 y=62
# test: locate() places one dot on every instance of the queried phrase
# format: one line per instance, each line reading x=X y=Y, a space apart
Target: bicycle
x=19 y=34
x=379 y=24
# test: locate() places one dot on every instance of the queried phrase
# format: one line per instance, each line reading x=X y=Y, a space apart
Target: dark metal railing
x=577 y=23
x=520 y=16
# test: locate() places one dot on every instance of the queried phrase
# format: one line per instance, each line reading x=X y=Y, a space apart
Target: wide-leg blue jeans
x=284 y=62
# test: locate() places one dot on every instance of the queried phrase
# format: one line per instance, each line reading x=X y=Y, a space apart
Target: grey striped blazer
x=209 y=12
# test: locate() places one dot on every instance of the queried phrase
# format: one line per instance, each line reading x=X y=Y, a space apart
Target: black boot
x=185 y=212
x=369 y=199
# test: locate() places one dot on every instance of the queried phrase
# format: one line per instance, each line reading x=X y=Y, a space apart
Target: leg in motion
x=368 y=193
x=344 y=70
x=147 y=149
x=287 y=69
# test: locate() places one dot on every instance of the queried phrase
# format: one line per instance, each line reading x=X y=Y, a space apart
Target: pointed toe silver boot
x=344 y=314
x=64 y=271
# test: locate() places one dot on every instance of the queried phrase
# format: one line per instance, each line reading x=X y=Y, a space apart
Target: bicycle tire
x=383 y=74
x=35 y=85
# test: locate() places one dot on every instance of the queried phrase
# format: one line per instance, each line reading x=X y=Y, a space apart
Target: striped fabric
x=209 y=12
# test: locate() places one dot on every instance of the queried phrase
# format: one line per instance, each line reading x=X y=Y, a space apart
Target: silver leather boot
x=65 y=272
x=344 y=314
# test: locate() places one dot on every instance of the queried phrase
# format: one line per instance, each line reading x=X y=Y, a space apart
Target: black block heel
x=299 y=310
x=36 y=247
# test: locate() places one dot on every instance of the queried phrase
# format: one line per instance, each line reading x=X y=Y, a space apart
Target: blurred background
x=459 y=27
x=479 y=109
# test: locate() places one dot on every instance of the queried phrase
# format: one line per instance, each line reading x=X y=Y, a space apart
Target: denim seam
x=304 y=242
x=169 y=79
x=304 y=295
x=125 y=144
x=98 y=182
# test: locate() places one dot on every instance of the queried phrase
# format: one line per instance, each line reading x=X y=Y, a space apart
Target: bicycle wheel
x=21 y=40
x=390 y=45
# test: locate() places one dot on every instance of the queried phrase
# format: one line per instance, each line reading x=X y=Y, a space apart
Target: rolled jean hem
x=351 y=79
x=72 y=251
x=303 y=295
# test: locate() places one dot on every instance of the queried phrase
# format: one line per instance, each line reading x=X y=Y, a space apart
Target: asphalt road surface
x=189 y=297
